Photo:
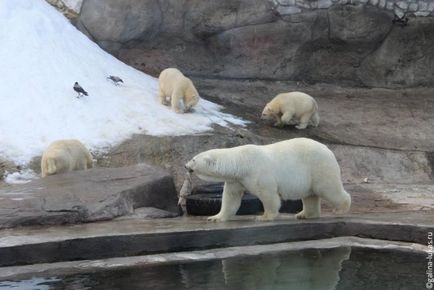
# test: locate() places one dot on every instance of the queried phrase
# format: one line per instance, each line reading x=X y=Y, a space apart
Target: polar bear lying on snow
x=292 y=108
x=174 y=87
x=292 y=169
x=64 y=156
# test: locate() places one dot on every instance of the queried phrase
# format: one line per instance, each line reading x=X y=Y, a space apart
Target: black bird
x=116 y=80
x=401 y=21
x=79 y=90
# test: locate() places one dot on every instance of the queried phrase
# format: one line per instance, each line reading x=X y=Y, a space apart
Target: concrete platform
x=142 y=237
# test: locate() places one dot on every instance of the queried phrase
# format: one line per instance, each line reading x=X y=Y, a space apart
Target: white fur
x=174 y=87
x=292 y=108
x=292 y=169
x=64 y=156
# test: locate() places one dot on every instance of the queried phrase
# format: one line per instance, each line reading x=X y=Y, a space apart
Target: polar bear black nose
x=188 y=169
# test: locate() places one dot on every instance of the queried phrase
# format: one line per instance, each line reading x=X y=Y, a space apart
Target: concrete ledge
x=84 y=196
x=139 y=237
x=75 y=267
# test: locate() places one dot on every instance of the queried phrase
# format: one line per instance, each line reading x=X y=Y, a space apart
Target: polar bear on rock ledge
x=174 y=87
x=65 y=156
x=292 y=108
x=292 y=169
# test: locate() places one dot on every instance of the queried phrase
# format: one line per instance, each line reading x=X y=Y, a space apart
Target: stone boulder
x=361 y=25
x=405 y=58
x=211 y=17
x=84 y=196
x=121 y=21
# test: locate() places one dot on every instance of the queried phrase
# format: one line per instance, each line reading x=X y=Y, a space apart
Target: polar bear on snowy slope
x=292 y=108
x=64 y=156
x=174 y=87
x=292 y=169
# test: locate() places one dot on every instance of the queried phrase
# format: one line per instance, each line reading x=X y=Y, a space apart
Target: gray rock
x=402 y=4
x=324 y=4
x=121 y=21
x=83 y=196
x=404 y=59
x=6 y=166
x=284 y=10
x=237 y=48
x=358 y=24
x=149 y=213
x=399 y=12
x=423 y=6
x=422 y=13
x=286 y=2
x=390 y=5
x=211 y=17
x=413 y=7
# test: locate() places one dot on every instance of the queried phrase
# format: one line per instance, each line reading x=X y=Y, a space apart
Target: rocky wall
x=349 y=42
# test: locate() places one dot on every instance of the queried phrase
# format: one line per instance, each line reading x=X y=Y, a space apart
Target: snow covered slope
x=42 y=55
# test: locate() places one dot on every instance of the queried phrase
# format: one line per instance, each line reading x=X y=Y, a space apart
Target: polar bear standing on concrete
x=174 y=87
x=64 y=156
x=292 y=169
x=292 y=108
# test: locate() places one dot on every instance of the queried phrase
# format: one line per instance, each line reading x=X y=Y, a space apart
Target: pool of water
x=313 y=269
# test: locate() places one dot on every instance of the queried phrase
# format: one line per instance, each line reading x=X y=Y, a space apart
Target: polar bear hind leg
x=314 y=120
x=339 y=199
x=311 y=208
x=304 y=121
x=82 y=165
x=231 y=201
x=341 y=202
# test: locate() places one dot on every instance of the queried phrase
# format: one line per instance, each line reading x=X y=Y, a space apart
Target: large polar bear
x=292 y=169
x=64 y=156
x=292 y=108
x=174 y=87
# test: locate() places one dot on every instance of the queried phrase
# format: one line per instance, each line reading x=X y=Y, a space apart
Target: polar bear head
x=215 y=165
x=191 y=96
x=268 y=113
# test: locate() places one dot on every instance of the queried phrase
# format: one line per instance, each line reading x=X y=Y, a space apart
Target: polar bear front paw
x=216 y=218
x=302 y=215
x=265 y=218
x=301 y=126
x=278 y=124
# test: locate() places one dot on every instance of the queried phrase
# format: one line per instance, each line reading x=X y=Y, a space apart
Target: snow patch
x=42 y=55
x=21 y=177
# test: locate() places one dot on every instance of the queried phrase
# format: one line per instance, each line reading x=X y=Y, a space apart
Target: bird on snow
x=79 y=90
x=116 y=80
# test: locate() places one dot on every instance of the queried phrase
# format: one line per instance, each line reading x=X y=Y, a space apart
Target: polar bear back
x=297 y=102
x=301 y=165
x=172 y=79
x=64 y=156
